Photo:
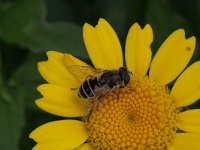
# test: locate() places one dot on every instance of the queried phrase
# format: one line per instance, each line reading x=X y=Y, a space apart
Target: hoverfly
x=98 y=82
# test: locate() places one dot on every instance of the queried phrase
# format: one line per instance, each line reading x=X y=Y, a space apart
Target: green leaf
x=27 y=26
x=12 y=120
x=12 y=57
x=21 y=90
x=28 y=78
x=65 y=37
x=18 y=16
x=3 y=90
x=163 y=21
x=12 y=109
x=0 y=69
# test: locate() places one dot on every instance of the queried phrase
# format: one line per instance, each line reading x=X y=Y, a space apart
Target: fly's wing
x=81 y=73
x=87 y=108
x=91 y=105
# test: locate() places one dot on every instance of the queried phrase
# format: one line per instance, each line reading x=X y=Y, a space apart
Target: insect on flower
x=98 y=83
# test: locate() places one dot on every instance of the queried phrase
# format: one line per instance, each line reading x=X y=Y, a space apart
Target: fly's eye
x=126 y=78
x=124 y=75
x=122 y=69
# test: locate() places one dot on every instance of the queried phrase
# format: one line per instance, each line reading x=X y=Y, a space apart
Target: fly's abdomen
x=81 y=93
x=85 y=90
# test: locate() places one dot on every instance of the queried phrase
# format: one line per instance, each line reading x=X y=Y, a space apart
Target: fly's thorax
x=111 y=79
x=100 y=81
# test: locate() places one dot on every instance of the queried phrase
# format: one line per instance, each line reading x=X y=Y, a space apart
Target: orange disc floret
x=139 y=116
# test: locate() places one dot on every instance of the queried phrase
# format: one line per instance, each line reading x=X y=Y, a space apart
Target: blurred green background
x=30 y=27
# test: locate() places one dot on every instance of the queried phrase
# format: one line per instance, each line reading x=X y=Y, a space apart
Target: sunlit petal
x=60 y=135
x=103 y=45
x=55 y=55
x=185 y=141
x=54 y=71
x=60 y=101
x=138 y=50
x=189 y=121
x=186 y=89
x=172 y=57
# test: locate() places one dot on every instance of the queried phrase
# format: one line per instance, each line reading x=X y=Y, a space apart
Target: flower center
x=139 y=116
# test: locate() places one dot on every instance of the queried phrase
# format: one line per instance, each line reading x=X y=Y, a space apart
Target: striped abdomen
x=87 y=89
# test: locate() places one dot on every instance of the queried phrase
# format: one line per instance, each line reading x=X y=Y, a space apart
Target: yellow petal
x=70 y=60
x=60 y=135
x=74 y=67
x=60 y=101
x=54 y=145
x=186 y=89
x=86 y=146
x=189 y=121
x=185 y=141
x=172 y=57
x=138 y=50
x=54 y=55
x=43 y=104
x=54 y=71
x=103 y=45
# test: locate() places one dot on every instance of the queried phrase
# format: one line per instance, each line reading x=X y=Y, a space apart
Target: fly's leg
x=127 y=88
x=73 y=89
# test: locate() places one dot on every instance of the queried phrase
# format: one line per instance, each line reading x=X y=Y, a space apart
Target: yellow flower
x=145 y=115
